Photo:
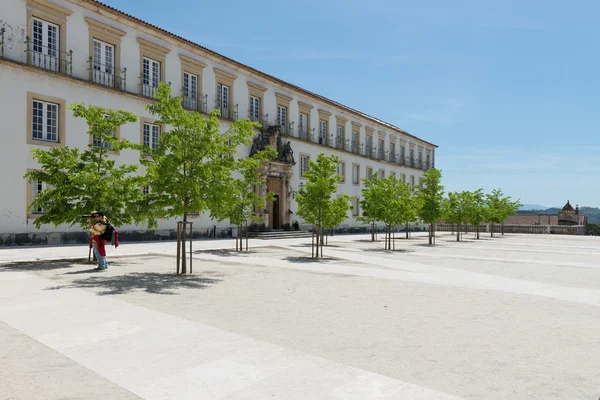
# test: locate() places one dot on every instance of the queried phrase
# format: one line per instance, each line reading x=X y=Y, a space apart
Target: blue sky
x=508 y=89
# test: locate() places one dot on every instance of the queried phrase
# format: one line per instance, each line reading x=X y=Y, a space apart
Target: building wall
x=17 y=80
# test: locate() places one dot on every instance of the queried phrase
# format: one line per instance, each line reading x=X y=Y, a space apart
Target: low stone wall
x=56 y=238
x=514 y=228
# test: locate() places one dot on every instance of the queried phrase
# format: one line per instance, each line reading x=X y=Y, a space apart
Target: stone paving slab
x=159 y=356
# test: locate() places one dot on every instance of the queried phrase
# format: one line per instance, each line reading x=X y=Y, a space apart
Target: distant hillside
x=592 y=213
x=532 y=207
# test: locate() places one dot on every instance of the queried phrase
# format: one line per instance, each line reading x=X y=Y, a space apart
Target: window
x=354 y=141
x=303 y=126
x=402 y=154
x=190 y=91
x=304 y=132
x=151 y=133
x=355 y=174
x=355 y=207
x=412 y=180
x=369 y=146
x=103 y=64
x=36 y=188
x=152 y=63
x=255 y=93
x=412 y=157
x=420 y=158
x=223 y=100
x=47 y=32
x=97 y=141
x=283 y=105
x=381 y=148
x=105 y=42
x=150 y=76
x=393 y=152
x=340 y=137
x=303 y=165
x=44 y=121
x=45 y=45
x=322 y=132
x=282 y=118
x=403 y=178
x=254 y=108
x=341 y=171
x=428 y=160
x=146 y=190
x=381 y=173
x=369 y=172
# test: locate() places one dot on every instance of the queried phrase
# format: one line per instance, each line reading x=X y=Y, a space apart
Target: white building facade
x=55 y=53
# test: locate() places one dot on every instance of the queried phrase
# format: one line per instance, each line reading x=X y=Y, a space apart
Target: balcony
x=48 y=58
x=107 y=75
x=191 y=103
x=147 y=87
x=303 y=134
x=227 y=111
x=287 y=129
x=354 y=147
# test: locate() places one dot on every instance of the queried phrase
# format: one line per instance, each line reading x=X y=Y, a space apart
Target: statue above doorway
x=272 y=137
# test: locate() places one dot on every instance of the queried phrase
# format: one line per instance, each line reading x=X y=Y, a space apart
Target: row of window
x=105 y=69
x=341 y=171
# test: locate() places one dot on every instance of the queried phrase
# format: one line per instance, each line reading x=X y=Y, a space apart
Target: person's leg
x=97 y=253
x=102 y=264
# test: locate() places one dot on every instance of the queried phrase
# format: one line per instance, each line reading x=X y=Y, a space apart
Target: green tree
x=78 y=182
x=400 y=205
x=456 y=209
x=316 y=197
x=411 y=208
x=509 y=207
x=242 y=201
x=476 y=209
x=431 y=198
x=371 y=204
x=337 y=212
x=499 y=207
x=185 y=169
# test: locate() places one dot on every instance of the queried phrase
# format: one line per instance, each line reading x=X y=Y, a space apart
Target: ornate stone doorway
x=275 y=185
x=277 y=174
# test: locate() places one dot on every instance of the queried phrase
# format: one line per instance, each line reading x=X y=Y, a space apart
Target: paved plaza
x=513 y=317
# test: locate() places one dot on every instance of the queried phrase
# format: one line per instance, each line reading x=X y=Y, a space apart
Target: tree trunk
x=407 y=230
x=430 y=234
x=503 y=229
x=317 y=233
x=183 y=256
x=321 y=242
x=458 y=233
x=372 y=231
x=478 y=232
x=492 y=229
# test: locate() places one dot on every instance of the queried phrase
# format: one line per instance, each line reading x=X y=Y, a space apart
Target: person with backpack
x=101 y=232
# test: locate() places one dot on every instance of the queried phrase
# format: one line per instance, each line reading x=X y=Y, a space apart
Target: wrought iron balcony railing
x=303 y=134
x=287 y=129
x=227 y=111
x=107 y=75
x=49 y=58
x=191 y=103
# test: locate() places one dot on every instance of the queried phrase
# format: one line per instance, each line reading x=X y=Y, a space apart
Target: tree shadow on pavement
x=309 y=245
x=149 y=282
x=389 y=251
x=306 y=260
x=44 y=265
x=225 y=252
